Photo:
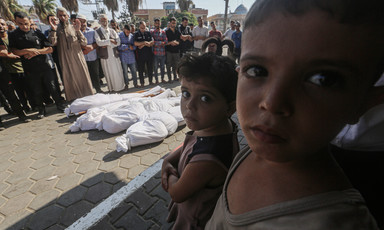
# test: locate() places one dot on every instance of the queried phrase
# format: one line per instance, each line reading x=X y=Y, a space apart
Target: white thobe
x=113 y=71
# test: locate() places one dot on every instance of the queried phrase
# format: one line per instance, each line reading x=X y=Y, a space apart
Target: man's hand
x=167 y=169
x=77 y=25
x=52 y=23
x=87 y=49
x=31 y=53
x=13 y=56
x=114 y=41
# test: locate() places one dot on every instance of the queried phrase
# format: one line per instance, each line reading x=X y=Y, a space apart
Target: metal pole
x=225 y=15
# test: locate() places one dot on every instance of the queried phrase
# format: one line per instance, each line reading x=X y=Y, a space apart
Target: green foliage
x=191 y=18
x=125 y=18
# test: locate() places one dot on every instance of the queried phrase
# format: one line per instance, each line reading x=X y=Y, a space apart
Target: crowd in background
x=32 y=62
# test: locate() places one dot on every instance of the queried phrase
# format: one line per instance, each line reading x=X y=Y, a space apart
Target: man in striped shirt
x=160 y=40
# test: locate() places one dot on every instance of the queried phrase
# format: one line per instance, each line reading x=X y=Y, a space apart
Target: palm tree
x=133 y=5
x=112 y=6
x=70 y=5
x=5 y=11
x=184 y=4
x=43 y=8
x=14 y=6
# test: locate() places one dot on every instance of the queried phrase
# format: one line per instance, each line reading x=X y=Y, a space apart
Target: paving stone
x=16 y=221
x=108 y=166
x=76 y=150
x=120 y=184
x=8 y=148
x=45 y=218
x=86 y=167
x=116 y=175
x=56 y=227
x=161 y=193
x=157 y=214
x=2 y=201
x=92 y=178
x=131 y=221
x=149 y=159
x=5 y=164
x=41 y=162
x=129 y=161
x=42 y=154
x=4 y=175
x=141 y=200
x=19 y=176
x=119 y=211
x=104 y=224
x=84 y=157
x=99 y=156
x=22 y=148
x=68 y=181
x=72 y=196
x=61 y=151
x=161 y=149
x=98 y=147
x=66 y=169
x=140 y=151
x=43 y=185
x=43 y=173
x=136 y=170
x=16 y=203
x=98 y=192
x=3 y=186
x=75 y=211
x=44 y=199
x=63 y=160
x=20 y=156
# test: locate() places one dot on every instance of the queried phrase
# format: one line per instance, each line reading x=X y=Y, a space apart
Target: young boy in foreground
x=308 y=68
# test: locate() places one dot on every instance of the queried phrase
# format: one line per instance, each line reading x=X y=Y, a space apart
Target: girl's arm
x=195 y=177
x=169 y=166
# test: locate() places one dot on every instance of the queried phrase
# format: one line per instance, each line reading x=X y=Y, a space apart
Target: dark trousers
x=172 y=62
x=8 y=91
x=366 y=173
x=21 y=87
x=93 y=68
x=145 y=65
x=40 y=81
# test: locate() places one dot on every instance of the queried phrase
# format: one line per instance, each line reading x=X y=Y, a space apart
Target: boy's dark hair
x=184 y=18
x=127 y=27
x=20 y=14
x=73 y=16
x=156 y=19
x=190 y=24
x=112 y=21
x=219 y=70
x=172 y=19
x=345 y=11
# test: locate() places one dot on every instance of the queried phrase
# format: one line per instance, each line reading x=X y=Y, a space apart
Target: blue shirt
x=90 y=35
x=236 y=38
x=126 y=56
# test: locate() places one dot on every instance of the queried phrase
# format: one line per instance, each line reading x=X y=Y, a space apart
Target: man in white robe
x=107 y=39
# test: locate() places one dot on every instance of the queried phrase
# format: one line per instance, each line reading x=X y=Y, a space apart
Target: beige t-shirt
x=341 y=210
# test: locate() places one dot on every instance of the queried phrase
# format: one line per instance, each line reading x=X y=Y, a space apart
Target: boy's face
x=23 y=23
x=301 y=79
x=203 y=107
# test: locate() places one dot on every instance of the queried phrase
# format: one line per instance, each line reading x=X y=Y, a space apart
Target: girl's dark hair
x=345 y=11
x=219 y=70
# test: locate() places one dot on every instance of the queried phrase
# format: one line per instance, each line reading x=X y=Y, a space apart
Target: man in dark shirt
x=172 y=49
x=144 y=43
x=32 y=46
x=185 y=37
x=6 y=87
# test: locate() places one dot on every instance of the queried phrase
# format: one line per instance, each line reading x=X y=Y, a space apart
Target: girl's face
x=301 y=79
x=203 y=107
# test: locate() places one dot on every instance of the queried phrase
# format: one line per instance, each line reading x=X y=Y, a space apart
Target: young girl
x=194 y=174
x=308 y=67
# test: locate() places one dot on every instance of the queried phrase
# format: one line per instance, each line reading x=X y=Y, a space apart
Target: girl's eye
x=185 y=94
x=255 y=71
x=326 y=79
x=205 y=98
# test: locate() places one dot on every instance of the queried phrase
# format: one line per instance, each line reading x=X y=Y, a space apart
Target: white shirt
x=199 y=31
x=228 y=34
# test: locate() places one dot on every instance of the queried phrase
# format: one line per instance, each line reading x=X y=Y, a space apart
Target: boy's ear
x=231 y=108
x=375 y=97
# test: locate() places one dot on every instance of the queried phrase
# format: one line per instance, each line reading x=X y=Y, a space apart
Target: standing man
x=144 y=43
x=108 y=40
x=127 y=55
x=69 y=39
x=199 y=33
x=33 y=47
x=230 y=31
x=173 y=50
x=90 y=53
x=236 y=38
x=160 y=40
x=214 y=32
x=185 y=37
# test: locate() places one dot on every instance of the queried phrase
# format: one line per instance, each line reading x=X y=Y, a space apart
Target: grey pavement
x=50 y=177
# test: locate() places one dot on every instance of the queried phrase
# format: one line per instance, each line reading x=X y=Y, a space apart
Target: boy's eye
x=326 y=79
x=205 y=98
x=255 y=71
x=185 y=94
